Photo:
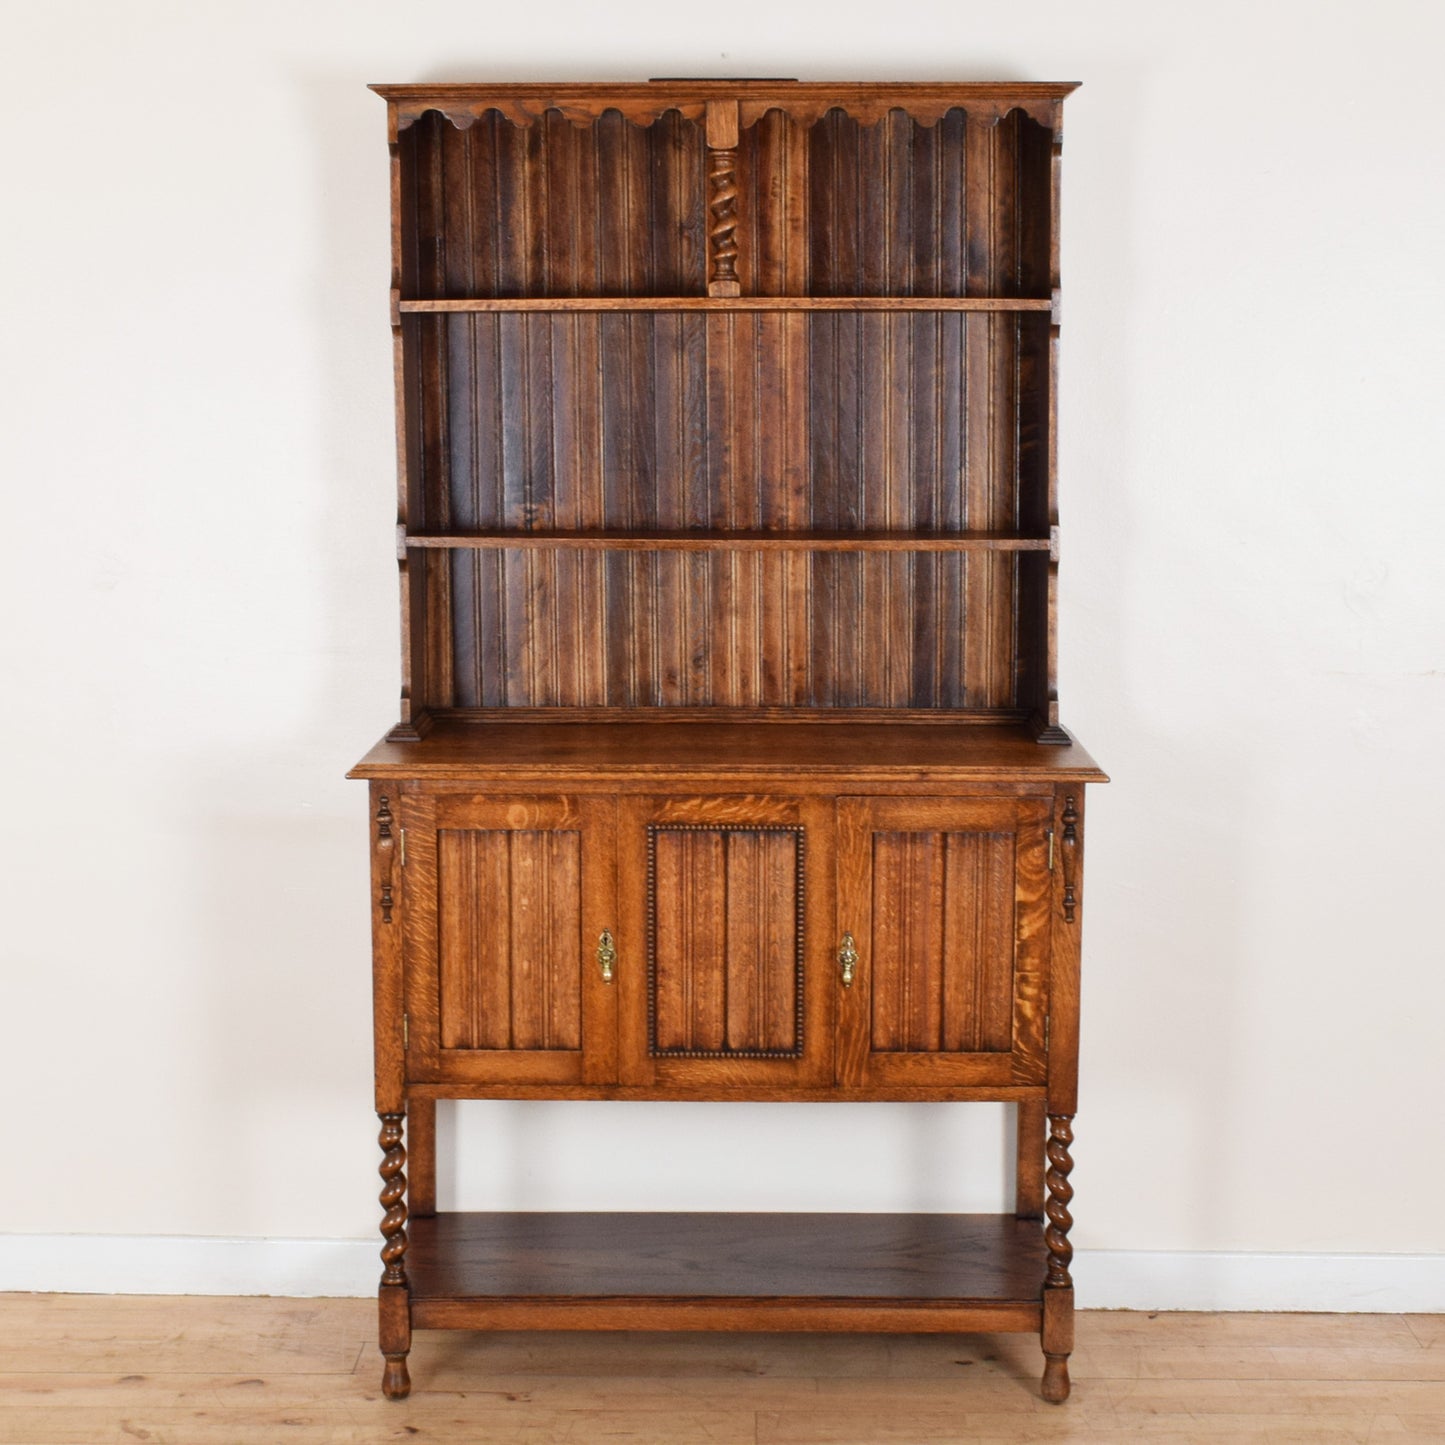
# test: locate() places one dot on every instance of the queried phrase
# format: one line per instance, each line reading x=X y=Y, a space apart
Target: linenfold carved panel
x=943 y=941
x=725 y=941
x=509 y=938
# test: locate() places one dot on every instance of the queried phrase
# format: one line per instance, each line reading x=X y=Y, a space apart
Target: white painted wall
x=199 y=604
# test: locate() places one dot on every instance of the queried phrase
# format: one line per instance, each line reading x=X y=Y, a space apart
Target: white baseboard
x=1119 y=1279
x=1104 y=1278
x=168 y=1264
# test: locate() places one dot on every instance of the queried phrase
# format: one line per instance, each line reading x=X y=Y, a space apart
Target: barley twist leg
x=1058 y=1324
x=394 y=1296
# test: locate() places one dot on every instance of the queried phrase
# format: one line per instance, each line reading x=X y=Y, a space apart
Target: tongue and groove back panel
x=831 y=424
x=728 y=510
x=956 y=207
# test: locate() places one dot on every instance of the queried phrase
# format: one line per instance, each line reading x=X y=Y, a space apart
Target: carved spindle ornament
x=385 y=847
x=1071 y=858
x=393 y=1199
x=1056 y=1206
x=722 y=233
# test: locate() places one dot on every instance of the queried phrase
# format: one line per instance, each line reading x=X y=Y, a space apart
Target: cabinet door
x=723 y=957
x=505 y=901
x=947 y=905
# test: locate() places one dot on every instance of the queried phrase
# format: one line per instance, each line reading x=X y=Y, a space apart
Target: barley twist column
x=723 y=229
x=1056 y=1206
x=1058 y=1327
x=395 y=1324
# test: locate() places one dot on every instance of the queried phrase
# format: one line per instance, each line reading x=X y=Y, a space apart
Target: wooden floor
x=87 y=1370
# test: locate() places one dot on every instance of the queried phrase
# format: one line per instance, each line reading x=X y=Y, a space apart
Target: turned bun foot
x=395 y=1382
x=1055 y=1388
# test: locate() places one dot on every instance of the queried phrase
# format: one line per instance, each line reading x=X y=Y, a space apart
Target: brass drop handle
x=606 y=955
x=847 y=959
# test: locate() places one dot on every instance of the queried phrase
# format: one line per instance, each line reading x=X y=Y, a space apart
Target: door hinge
x=402 y=849
x=405 y=1032
x=1051 y=848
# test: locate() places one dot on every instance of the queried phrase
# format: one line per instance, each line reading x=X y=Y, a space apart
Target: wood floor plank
x=201 y=1390
x=1203 y=1362
x=90 y=1370
x=1429 y=1330
x=832 y=1427
x=75 y=1425
x=1264 y=1397
x=996 y=1394
x=922 y=1356
x=1393 y=1428
x=437 y=1420
x=142 y=1333
x=925 y=1427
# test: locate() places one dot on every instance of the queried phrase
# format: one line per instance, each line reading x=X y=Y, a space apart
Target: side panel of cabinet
x=505 y=901
x=726 y=911
x=948 y=903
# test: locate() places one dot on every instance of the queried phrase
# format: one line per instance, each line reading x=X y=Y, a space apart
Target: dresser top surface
x=721 y=88
x=456 y=748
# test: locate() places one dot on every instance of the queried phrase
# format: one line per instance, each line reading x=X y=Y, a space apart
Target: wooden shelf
x=939 y=1272
x=732 y=541
x=732 y=303
x=946 y=751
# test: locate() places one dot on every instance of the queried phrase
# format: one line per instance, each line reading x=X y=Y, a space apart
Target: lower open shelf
x=898 y=1272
